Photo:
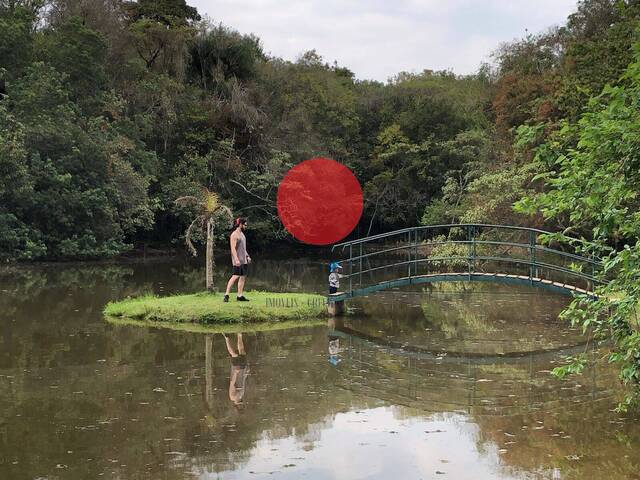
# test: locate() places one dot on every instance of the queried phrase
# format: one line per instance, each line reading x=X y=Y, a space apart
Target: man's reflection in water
x=334 y=342
x=239 y=370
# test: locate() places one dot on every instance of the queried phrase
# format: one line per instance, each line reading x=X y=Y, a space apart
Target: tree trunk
x=209 y=259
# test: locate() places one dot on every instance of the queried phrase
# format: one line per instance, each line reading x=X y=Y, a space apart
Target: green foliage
x=16 y=41
x=458 y=253
x=591 y=171
x=118 y=110
x=14 y=174
x=78 y=52
x=597 y=51
x=167 y=12
x=424 y=149
x=539 y=80
x=19 y=241
x=159 y=47
x=550 y=76
x=312 y=110
x=478 y=192
x=68 y=189
x=219 y=53
x=574 y=366
x=493 y=194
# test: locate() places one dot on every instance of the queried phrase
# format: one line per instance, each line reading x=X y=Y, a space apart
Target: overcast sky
x=379 y=38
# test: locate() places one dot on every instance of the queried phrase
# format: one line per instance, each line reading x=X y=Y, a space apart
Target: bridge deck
x=562 y=288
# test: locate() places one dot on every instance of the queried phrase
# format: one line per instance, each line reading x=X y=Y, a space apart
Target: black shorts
x=333 y=290
x=240 y=270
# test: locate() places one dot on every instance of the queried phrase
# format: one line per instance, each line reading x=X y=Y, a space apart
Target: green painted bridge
x=470 y=252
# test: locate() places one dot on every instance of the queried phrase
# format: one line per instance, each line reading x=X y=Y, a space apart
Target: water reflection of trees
x=469 y=320
x=70 y=382
x=293 y=392
x=98 y=408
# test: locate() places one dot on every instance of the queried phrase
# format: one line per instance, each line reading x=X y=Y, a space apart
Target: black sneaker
x=226 y=298
x=242 y=299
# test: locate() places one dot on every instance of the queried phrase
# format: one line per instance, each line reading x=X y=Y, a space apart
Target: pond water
x=442 y=382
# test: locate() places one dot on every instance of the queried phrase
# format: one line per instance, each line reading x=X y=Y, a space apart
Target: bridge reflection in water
x=470 y=384
x=472 y=349
x=466 y=252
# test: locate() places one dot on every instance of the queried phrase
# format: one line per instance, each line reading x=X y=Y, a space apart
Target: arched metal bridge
x=469 y=252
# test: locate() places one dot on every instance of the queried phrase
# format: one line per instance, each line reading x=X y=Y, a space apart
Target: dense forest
x=111 y=110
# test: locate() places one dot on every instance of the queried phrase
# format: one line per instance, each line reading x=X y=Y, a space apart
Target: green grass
x=209 y=309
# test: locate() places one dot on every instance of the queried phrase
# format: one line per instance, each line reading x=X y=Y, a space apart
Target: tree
x=78 y=52
x=167 y=12
x=16 y=36
x=68 y=179
x=219 y=53
x=209 y=210
x=161 y=31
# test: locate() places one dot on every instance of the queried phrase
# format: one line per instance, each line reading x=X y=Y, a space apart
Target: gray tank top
x=241 y=246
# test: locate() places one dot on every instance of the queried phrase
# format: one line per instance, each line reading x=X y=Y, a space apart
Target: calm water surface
x=440 y=383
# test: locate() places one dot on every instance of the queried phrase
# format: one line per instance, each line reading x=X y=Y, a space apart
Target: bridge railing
x=466 y=248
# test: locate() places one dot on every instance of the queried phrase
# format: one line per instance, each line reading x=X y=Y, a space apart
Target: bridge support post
x=351 y=268
x=470 y=252
x=532 y=257
x=335 y=309
x=409 y=252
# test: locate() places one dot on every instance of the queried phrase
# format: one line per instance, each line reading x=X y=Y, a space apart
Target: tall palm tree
x=209 y=208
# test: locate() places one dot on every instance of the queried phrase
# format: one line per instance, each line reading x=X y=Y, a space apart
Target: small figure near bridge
x=334 y=277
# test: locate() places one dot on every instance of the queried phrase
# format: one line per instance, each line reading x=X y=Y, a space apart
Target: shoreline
x=276 y=251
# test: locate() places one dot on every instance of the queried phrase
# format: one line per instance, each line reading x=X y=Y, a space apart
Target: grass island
x=209 y=309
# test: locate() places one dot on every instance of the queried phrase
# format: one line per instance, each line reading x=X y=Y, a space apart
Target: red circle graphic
x=319 y=201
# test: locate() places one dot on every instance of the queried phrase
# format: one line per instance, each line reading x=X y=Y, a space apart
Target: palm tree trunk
x=209 y=260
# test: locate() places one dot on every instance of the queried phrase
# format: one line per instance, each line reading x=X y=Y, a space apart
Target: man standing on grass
x=239 y=258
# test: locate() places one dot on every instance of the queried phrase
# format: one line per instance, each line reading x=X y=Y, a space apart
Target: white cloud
x=378 y=38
